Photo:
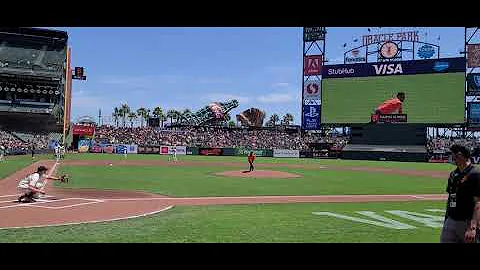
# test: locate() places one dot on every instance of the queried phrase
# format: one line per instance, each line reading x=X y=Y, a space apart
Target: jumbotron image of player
x=390 y=106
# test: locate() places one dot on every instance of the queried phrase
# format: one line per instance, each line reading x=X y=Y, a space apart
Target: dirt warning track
x=75 y=206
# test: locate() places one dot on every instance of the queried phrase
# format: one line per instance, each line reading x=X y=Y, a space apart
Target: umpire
x=463 y=206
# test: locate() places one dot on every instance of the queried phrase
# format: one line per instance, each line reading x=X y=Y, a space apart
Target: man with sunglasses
x=463 y=206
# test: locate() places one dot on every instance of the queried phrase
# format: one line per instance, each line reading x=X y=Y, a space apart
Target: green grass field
x=245 y=223
x=430 y=98
x=15 y=163
x=200 y=181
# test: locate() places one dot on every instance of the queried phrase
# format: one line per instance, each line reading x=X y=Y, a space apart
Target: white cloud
x=276 y=98
x=224 y=97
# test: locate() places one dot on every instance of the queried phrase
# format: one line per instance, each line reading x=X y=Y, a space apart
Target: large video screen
x=421 y=92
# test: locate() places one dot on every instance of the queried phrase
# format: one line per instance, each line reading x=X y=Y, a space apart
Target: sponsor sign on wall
x=147 y=149
x=192 y=150
x=312 y=90
x=83 y=146
x=311 y=117
x=96 y=148
x=312 y=65
x=168 y=150
x=108 y=148
x=83 y=130
x=257 y=152
x=473 y=53
x=210 y=151
x=473 y=84
x=286 y=153
x=443 y=65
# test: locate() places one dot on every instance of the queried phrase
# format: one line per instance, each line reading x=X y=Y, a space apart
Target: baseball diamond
x=158 y=143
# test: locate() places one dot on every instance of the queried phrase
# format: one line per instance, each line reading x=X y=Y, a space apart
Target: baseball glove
x=64 y=178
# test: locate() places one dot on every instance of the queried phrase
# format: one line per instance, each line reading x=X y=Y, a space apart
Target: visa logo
x=440 y=66
x=389 y=69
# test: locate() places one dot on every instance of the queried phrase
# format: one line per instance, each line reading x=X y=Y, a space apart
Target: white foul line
x=94 y=221
x=13 y=195
x=66 y=206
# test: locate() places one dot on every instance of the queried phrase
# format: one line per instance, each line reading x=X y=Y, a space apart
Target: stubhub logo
x=440 y=66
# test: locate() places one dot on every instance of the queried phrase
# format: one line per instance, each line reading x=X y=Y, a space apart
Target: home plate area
x=65 y=210
x=53 y=203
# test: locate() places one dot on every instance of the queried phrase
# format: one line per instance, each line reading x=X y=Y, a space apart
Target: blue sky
x=189 y=67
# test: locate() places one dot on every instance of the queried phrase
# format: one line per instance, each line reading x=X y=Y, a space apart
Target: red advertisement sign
x=83 y=130
x=473 y=53
x=164 y=150
x=312 y=65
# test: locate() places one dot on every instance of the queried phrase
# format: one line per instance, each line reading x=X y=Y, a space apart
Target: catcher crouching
x=32 y=186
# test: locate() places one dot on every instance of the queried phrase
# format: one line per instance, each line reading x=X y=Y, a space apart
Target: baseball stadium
x=368 y=161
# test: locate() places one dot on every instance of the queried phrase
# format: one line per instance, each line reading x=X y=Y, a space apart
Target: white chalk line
x=12 y=195
x=41 y=201
x=93 y=221
x=66 y=206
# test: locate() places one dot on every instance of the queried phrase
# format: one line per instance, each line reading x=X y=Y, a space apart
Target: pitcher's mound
x=259 y=174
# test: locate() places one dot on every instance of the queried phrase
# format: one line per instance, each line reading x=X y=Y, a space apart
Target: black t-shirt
x=461 y=193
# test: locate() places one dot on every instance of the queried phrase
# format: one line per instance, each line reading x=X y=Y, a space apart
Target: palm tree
x=157 y=111
x=171 y=115
x=274 y=118
x=125 y=110
x=146 y=115
x=287 y=119
x=231 y=123
x=131 y=117
x=141 y=112
x=269 y=123
x=115 y=115
x=176 y=115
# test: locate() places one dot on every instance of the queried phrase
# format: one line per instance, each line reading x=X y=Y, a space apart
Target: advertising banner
x=311 y=90
x=473 y=114
x=147 y=149
x=108 y=148
x=120 y=148
x=96 y=148
x=306 y=154
x=473 y=54
x=355 y=56
x=444 y=65
x=311 y=117
x=473 y=84
x=168 y=150
x=258 y=152
x=210 y=151
x=192 y=151
x=312 y=65
x=285 y=153
x=83 y=130
x=229 y=151
x=83 y=146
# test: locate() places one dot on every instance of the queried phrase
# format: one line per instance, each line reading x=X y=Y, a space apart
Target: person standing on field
x=463 y=206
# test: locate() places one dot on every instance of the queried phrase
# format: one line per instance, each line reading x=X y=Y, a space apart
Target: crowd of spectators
x=443 y=144
x=11 y=142
x=215 y=137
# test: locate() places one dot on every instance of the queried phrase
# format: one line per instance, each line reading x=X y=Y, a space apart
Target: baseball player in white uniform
x=62 y=152
x=2 y=153
x=32 y=186
x=57 y=152
x=174 y=153
x=125 y=153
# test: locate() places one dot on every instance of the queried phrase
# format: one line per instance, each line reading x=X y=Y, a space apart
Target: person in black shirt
x=463 y=206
